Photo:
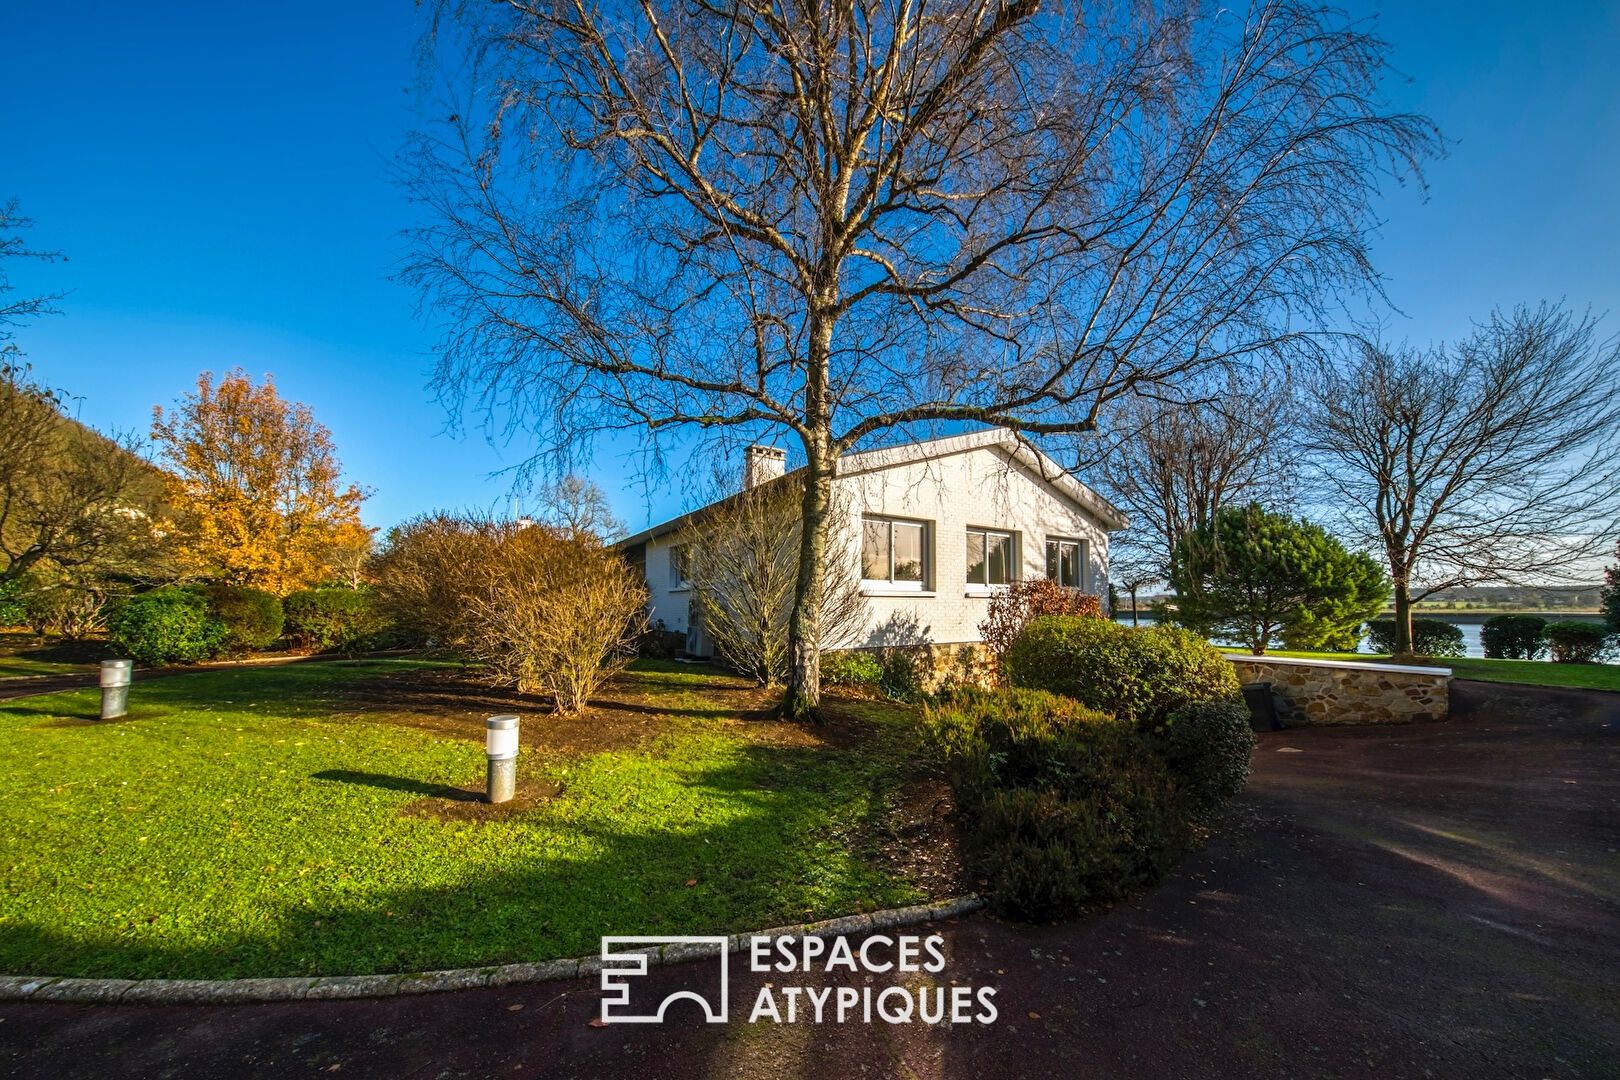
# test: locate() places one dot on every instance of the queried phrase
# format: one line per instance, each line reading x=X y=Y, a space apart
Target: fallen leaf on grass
x=691 y=883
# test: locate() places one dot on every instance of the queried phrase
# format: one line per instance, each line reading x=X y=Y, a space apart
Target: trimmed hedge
x=1142 y=675
x=1578 y=642
x=1207 y=747
x=163 y=626
x=1063 y=806
x=1514 y=637
x=249 y=618
x=1430 y=637
x=850 y=669
x=332 y=618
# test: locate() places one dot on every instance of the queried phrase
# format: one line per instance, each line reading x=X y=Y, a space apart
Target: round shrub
x=13 y=603
x=1430 y=637
x=1062 y=806
x=1142 y=674
x=331 y=618
x=1578 y=642
x=1514 y=637
x=249 y=619
x=163 y=626
x=1207 y=747
x=902 y=675
x=850 y=669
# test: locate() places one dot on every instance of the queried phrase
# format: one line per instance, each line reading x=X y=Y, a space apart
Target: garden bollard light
x=501 y=746
x=115 y=676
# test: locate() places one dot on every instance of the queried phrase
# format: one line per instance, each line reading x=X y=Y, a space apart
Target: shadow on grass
x=89 y=716
x=398 y=783
x=774 y=837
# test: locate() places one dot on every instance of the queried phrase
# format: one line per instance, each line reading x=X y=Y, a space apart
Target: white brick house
x=935 y=529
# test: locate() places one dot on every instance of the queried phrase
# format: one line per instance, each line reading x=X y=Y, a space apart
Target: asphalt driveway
x=1429 y=901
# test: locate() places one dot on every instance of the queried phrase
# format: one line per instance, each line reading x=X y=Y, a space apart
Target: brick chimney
x=763 y=463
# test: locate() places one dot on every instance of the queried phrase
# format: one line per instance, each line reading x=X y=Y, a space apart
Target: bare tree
x=71 y=499
x=1172 y=463
x=742 y=564
x=75 y=506
x=1496 y=460
x=577 y=507
x=843 y=221
x=1131 y=569
x=16 y=311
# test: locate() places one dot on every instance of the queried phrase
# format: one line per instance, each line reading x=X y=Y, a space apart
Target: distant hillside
x=1517 y=598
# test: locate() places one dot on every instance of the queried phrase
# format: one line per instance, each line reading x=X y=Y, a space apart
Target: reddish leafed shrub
x=1012 y=610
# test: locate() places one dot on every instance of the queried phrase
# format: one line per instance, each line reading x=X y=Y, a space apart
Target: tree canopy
x=1256 y=576
x=255 y=486
x=1491 y=460
x=844 y=222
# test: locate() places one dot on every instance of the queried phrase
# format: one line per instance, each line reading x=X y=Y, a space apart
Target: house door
x=697 y=642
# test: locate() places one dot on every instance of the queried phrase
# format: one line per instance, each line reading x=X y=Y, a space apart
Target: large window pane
x=1063 y=564
x=999 y=558
x=975 y=558
x=875 y=550
x=908 y=551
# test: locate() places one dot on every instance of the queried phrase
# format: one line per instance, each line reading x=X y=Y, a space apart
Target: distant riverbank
x=1470 y=622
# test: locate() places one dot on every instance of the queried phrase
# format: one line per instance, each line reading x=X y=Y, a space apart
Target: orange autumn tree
x=254 y=486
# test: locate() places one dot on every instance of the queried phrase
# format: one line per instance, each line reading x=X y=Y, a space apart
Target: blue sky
x=218 y=177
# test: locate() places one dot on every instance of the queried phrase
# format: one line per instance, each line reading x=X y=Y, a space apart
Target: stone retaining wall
x=963 y=663
x=1313 y=693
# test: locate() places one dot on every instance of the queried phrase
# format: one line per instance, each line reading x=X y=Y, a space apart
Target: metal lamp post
x=115 y=677
x=501 y=747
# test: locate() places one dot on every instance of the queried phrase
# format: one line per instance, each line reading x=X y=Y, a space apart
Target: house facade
x=933 y=529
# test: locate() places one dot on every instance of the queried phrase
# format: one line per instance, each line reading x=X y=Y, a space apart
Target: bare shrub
x=427 y=569
x=744 y=565
x=1011 y=611
x=556 y=615
x=547 y=612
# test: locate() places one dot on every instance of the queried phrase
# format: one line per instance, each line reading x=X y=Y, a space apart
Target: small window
x=1065 y=562
x=989 y=557
x=680 y=565
x=894 y=552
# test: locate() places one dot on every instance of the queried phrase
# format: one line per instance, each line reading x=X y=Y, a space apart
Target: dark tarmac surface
x=1427 y=901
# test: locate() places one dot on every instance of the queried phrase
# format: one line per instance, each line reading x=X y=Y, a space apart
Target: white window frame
x=987 y=587
x=1082 y=558
x=678 y=581
x=889 y=584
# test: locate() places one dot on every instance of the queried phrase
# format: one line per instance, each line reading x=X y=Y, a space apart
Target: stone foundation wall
x=967 y=663
x=1312 y=693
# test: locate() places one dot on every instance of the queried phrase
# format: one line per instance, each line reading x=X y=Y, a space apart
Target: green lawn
x=269 y=822
x=24 y=654
x=15 y=666
x=1531 y=672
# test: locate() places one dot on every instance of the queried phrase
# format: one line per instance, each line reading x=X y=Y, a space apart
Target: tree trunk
x=1403 y=618
x=803 y=698
x=1134 y=622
